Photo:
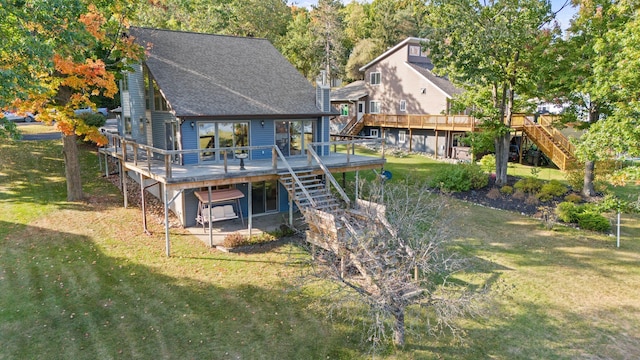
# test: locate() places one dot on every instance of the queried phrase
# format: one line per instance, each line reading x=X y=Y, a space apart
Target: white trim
x=374 y=133
x=403 y=105
x=392 y=50
x=372 y=76
x=429 y=81
x=379 y=107
x=402 y=136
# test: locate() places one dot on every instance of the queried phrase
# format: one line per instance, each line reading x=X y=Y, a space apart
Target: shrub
x=519 y=195
x=507 y=190
x=460 y=177
x=553 y=188
x=593 y=221
x=532 y=200
x=573 y=198
x=488 y=163
x=528 y=185
x=234 y=240
x=493 y=194
x=568 y=212
x=93 y=119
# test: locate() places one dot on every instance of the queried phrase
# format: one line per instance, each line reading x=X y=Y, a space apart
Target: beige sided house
x=401 y=101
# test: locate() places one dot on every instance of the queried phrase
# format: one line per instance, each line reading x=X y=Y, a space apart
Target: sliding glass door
x=264 y=196
x=292 y=137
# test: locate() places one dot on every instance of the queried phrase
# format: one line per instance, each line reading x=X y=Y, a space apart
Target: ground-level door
x=264 y=197
x=360 y=112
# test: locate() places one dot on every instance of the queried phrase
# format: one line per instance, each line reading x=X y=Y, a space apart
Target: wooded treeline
x=330 y=36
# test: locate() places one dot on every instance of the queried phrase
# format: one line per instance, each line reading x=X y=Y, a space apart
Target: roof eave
x=392 y=50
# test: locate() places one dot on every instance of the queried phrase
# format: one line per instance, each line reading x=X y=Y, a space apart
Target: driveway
x=42 y=136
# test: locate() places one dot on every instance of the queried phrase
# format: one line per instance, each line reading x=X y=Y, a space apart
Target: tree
x=392 y=20
x=487 y=49
x=393 y=257
x=364 y=51
x=78 y=50
x=297 y=45
x=326 y=24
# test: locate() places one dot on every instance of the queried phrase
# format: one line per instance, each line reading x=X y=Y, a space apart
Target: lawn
x=82 y=281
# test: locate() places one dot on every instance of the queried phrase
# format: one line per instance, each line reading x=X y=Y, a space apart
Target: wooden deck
x=442 y=122
x=157 y=164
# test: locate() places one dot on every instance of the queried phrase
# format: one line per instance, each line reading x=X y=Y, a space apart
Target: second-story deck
x=166 y=166
x=438 y=122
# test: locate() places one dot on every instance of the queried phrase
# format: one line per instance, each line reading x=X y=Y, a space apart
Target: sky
x=563 y=16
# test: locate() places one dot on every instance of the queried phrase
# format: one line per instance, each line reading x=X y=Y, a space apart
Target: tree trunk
x=589 y=173
x=502 y=158
x=398 y=327
x=72 y=168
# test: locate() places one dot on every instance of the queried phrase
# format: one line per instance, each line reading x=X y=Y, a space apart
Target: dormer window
x=374 y=78
x=414 y=50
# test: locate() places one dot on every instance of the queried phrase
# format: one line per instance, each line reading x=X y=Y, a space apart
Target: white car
x=28 y=117
x=102 y=111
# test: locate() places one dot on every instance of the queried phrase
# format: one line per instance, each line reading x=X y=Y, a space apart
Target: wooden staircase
x=551 y=142
x=310 y=191
x=353 y=127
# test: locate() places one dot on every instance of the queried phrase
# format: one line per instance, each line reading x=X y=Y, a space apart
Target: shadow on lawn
x=61 y=295
x=33 y=172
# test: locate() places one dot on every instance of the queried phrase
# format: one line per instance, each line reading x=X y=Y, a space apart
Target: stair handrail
x=328 y=174
x=346 y=130
x=555 y=134
x=544 y=141
x=295 y=177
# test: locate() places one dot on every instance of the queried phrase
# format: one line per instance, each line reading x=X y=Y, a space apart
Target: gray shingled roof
x=354 y=91
x=225 y=76
x=441 y=82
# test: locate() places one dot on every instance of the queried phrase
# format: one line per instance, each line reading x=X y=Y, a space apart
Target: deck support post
x=250 y=207
x=142 y=204
x=210 y=216
x=290 y=211
x=436 y=150
x=166 y=220
x=124 y=184
x=357 y=183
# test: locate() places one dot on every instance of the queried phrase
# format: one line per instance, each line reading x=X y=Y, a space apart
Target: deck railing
x=145 y=156
x=437 y=122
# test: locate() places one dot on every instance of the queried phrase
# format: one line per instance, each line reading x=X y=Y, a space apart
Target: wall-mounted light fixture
x=193 y=125
x=262 y=123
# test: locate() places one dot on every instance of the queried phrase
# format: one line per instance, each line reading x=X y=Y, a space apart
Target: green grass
x=82 y=281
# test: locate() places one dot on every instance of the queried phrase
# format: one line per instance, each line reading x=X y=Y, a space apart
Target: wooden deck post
x=410 y=139
x=123 y=171
x=274 y=158
x=166 y=220
x=436 y=152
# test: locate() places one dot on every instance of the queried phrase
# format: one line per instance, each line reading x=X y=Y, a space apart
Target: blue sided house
x=221 y=127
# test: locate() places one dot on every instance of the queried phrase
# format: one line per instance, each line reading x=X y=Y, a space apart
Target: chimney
x=323 y=92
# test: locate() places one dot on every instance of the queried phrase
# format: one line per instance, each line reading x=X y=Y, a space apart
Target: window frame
x=372 y=104
x=403 y=105
x=375 y=78
x=374 y=133
x=402 y=136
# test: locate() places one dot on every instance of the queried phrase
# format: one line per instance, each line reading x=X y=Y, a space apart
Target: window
x=214 y=135
x=125 y=83
x=344 y=110
x=160 y=104
x=374 y=78
x=402 y=137
x=374 y=133
x=127 y=125
x=374 y=107
x=403 y=105
x=414 y=50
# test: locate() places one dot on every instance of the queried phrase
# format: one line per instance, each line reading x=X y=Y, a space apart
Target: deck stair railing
x=313 y=190
x=353 y=127
x=551 y=142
